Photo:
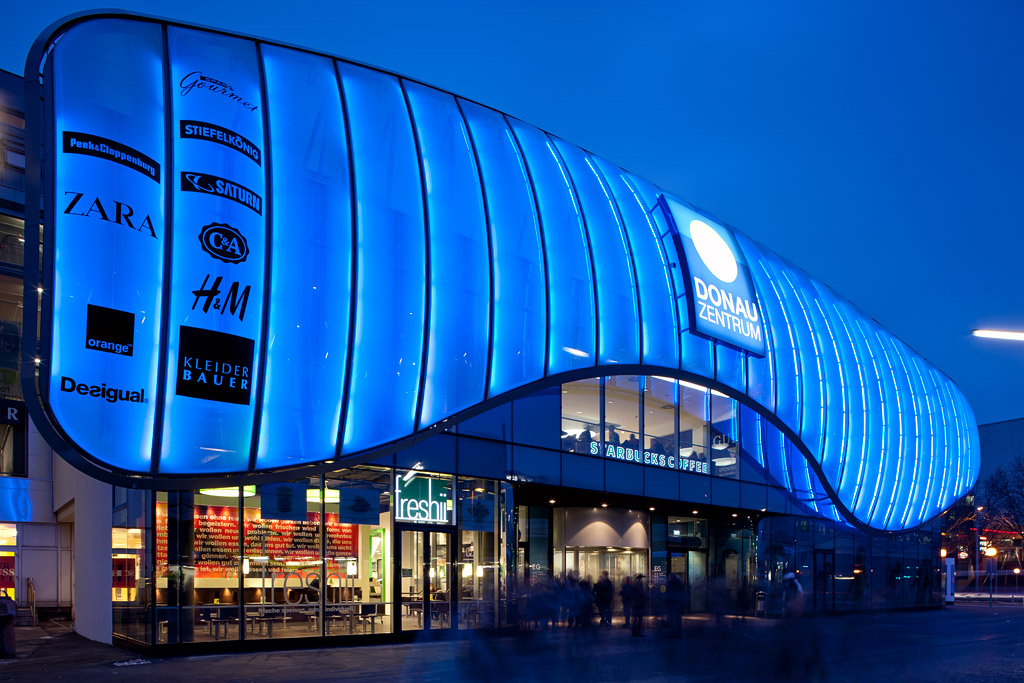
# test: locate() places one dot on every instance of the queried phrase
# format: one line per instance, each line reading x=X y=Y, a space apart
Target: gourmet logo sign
x=721 y=299
x=197 y=82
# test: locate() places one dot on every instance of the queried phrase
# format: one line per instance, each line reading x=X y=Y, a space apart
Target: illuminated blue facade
x=415 y=258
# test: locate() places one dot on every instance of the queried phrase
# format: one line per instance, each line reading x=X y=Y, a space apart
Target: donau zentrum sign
x=256 y=257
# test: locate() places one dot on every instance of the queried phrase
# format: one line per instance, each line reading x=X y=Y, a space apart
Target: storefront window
x=622 y=411
x=359 y=575
x=130 y=585
x=661 y=396
x=693 y=409
x=581 y=416
x=479 y=566
x=8 y=543
x=281 y=568
x=724 y=437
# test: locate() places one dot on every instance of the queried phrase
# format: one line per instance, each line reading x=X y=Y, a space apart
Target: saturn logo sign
x=223 y=242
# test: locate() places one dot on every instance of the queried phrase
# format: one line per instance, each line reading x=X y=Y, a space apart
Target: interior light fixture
x=229 y=492
x=552 y=501
x=999 y=334
x=651 y=509
x=604 y=505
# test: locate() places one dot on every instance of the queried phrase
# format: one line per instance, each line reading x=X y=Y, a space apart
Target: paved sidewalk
x=965 y=642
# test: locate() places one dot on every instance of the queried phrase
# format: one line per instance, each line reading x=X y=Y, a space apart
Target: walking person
x=604 y=593
x=674 y=605
x=640 y=602
x=626 y=595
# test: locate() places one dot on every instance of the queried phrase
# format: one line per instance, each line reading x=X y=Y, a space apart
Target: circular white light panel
x=713 y=251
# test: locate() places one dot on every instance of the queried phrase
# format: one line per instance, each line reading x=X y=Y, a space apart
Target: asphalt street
x=961 y=643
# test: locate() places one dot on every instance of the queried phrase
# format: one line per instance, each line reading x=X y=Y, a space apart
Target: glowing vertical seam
x=792 y=343
x=916 y=451
x=899 y=422
x=881 y=412
x=817 y=363
x=842 y=395
x=863 y=401
x=931 y=441
x=944 y=484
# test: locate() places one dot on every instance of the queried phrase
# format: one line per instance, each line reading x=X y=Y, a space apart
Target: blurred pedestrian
x=640 y=602
x=604 y=593
x=793 y=597
x=674 y=605
x=626 y=595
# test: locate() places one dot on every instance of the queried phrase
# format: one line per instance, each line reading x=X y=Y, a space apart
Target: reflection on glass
x=358 y=562
x=581 y=416
x=129 y=545
x=478 y=567
x=622 y=411
x=660 y=398
x=724 y=438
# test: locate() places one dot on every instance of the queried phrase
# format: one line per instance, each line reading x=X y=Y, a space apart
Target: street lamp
x=1016 y=577
x=999 y=334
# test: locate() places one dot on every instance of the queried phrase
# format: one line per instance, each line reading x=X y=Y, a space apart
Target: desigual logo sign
x=109 y=211
x=221 y=241
x=221 y=187
x=214 y=366
x=197 y=82
x=102 y=391
x=109 y=330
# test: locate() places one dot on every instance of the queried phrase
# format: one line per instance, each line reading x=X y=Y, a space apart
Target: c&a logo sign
x=223 y=242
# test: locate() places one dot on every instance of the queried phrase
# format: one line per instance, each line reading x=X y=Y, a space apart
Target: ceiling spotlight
x=604 y=505
x=735 y=515
x=652 y=509
x=552 y=501
x=695 y=512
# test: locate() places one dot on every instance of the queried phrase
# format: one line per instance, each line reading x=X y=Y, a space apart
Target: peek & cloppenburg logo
x=722 y=301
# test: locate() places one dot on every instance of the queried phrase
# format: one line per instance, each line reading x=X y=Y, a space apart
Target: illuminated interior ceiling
x=413 y=257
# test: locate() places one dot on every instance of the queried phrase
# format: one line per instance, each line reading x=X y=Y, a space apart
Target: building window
x=581 y=416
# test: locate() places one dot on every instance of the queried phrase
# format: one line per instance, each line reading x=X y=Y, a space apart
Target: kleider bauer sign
x=721 y=300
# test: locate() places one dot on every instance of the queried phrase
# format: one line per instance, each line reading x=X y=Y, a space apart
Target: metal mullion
x=427 y=302
x=491 y=254
x=543 y=244
x=268 y=236
x=165 y=296
x=353 y=265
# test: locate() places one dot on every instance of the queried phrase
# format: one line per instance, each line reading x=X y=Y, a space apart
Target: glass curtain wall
x=359 y=566
x=130 y=559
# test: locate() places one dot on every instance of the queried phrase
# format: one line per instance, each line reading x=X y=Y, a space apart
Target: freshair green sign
x=424 y=499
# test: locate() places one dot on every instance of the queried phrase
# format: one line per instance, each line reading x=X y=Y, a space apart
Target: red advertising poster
x=7 y=571
x=161 y=538
x=123 y=572
x=278 y=544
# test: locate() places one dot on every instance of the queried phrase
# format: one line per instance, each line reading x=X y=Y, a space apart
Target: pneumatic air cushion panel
x=109 y=216
x=311 y=272
x=215 y=314
x=520 y=291
x=458 y=327
x=391 y=271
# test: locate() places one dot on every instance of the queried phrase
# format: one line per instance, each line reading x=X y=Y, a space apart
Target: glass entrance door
x=426 y=579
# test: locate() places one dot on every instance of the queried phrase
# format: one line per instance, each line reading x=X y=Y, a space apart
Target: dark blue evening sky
x=877 y=145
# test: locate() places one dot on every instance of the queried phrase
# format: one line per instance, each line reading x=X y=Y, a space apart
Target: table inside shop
x=413 y=604
x=215 y=624
x=269 y=621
